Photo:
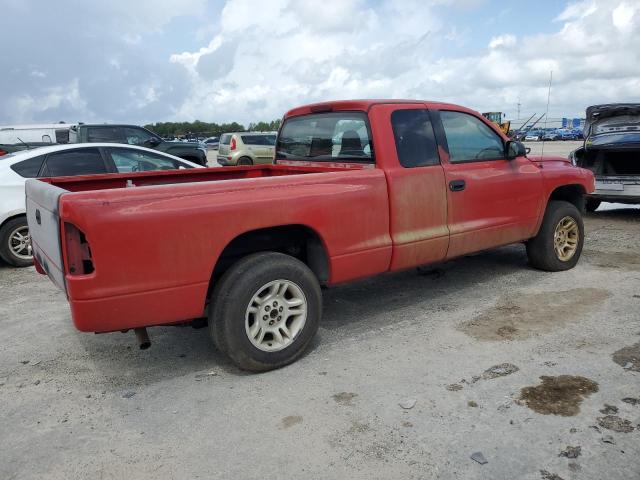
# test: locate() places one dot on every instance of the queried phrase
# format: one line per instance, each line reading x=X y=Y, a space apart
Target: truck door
x=492 y=201
x=416 y=183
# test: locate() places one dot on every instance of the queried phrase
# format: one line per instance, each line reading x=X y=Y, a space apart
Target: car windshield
x=326 y=137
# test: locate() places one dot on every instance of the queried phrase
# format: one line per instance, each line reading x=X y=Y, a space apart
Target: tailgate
x=44 y=227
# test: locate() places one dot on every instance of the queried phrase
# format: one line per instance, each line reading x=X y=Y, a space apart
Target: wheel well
x=570 y=193
x=12 y=218
x=298 y=241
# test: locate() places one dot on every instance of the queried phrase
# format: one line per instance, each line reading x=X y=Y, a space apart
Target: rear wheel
x=266 y=309
x=15 y=243
x=591 y=204
x=558 y=244
x=246 y=161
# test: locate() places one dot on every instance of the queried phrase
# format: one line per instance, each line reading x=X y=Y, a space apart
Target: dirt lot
x=412 y=374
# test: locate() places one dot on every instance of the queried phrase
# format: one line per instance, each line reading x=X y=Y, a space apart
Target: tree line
x=205 y=129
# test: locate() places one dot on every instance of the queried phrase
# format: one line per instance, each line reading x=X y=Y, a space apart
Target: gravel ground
x=412 y=374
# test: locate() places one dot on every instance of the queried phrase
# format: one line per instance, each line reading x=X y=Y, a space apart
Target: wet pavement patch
x=608 y=409
x=561 y=395
x=519 y=316
x=615 y=423
x=617 y=260
x=344 y=398
x=290 y=421
x=631 y=401
x=628 y=357
x=501 y=370
x=571 y=452
x=549 y=476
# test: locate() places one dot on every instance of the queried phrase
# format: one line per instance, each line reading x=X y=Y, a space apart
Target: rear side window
x=415 y=140
x=469 y=138
x=86 y=161
x=127 y=161
x=225 y=139
x=326 y=137
x=266 y=140
x=28 y=168
x=104 y=134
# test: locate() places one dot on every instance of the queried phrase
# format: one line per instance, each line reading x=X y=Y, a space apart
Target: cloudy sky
x=144 y=61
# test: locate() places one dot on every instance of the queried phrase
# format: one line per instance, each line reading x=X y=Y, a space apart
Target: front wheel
x=266 y=309
x=15 y=243
x=558 y=244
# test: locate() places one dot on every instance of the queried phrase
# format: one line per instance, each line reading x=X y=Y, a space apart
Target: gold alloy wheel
x=566 y=238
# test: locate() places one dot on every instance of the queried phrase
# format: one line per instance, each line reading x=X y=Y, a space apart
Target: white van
x=35 y=134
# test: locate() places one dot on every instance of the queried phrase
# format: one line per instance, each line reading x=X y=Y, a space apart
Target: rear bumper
x=617 y=189
x=225 y=162
x=144 y=309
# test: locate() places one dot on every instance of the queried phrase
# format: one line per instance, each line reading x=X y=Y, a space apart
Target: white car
x=63 y=160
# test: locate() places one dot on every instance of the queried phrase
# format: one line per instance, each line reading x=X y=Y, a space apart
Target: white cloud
x=299 y=52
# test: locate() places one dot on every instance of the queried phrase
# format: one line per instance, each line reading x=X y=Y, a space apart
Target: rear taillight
x=233 y=143
x=79 y=261
x=2 y=152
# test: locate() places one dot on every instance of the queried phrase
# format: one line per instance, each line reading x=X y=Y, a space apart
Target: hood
x=612 y=124
x=548 y=158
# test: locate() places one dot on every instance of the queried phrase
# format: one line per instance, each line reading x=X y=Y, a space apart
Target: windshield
x=326 y=137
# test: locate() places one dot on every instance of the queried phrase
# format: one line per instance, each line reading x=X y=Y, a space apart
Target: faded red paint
x=154 y=248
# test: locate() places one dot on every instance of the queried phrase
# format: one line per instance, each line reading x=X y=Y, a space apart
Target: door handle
x=457 y=185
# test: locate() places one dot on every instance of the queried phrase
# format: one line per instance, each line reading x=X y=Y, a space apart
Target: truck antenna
x=547 y=112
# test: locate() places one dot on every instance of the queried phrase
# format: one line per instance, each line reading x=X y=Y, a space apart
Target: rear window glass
x=62 y=136
x=225 y=139
x=269 y=140
x=28 y=168
x=326 y=137
x=86 y=161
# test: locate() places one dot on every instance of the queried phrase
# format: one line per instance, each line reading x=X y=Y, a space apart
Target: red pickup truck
x=357 y=188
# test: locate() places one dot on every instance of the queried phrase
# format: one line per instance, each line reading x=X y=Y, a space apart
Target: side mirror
x=152 y=142
x=514 y=149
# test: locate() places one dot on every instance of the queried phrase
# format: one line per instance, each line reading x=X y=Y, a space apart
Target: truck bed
x=169 y=177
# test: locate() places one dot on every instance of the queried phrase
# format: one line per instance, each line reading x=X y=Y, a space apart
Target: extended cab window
x=469 y=138
x=28 y=168
x=86 y=161
x=104 y=134
x=415 y=140
x=326 y=137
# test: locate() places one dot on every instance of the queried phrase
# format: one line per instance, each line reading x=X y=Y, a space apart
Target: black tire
x=233 y=294
x=540 y=249
x=591 y=204
x=245 y=161
x=5 y=252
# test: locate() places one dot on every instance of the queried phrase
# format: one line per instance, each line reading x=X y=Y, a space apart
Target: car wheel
x=246 y=161
x=266 y=310
x=591 y=204
x=15 y=243
x=558 y=244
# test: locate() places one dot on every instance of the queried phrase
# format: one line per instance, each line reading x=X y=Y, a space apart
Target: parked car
x=62 y=160
x=611 y=150
x=212 y=143
x=551 y=136
x=135 y=135
x=252 y=251
x=246 y=148
x=533 y=136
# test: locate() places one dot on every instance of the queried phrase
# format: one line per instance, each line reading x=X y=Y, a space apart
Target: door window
x=470 y=139
x=86 y=161
x=137 y=136
x=415 y=140
x=127 y=161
